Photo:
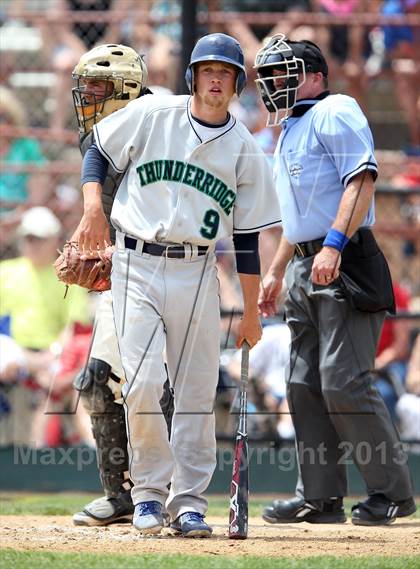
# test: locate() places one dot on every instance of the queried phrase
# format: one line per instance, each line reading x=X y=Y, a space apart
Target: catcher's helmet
x=289 y=58
x=217 y=47
x=124 y=73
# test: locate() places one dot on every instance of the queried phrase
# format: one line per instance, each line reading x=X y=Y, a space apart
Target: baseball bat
x=239 y=488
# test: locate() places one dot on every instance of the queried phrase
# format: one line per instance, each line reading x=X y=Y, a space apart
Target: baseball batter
x=107 y=77
x=194 y=175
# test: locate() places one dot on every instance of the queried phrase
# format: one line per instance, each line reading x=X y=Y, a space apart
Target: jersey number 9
x=210 y=225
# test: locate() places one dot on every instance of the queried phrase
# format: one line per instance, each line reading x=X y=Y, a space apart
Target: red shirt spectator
x=393 y=344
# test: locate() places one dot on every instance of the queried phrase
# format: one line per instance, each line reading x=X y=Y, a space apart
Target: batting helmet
x=217 y=47
x=122 y=74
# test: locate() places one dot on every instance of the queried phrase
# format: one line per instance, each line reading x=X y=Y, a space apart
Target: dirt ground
x=57 y=533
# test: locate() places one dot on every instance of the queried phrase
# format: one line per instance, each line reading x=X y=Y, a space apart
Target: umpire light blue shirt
x=323 y=145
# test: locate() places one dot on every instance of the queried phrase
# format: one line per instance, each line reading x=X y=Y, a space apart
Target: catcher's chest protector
x=110 y=187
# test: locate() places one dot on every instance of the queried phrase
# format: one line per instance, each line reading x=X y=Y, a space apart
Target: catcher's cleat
x=105 y=511
x=299 y=510
x=148 y=517
x=191 y=524
x=378 y=510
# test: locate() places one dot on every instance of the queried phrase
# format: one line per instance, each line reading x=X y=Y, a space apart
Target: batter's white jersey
x=179 y=188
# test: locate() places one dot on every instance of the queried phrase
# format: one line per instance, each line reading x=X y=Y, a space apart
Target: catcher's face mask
x=280 y=74
x=107 y=78
x=89 y=97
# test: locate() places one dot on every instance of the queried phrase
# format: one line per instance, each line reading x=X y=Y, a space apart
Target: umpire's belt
x=308 y=248
x=311 y=248
x=170 y=251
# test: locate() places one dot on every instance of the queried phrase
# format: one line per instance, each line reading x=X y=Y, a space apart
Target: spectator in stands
x=230 y=295
x=67 y=206
x=402 y=45
x=162 y=63
x=408 y=406
x=93 y=33
x=393 y=352
x=13 y=372
x=31 y=299
x=17 y=188
x=161 y=9
x=408 y=178
x=250 y=36
x=160 y=45
x=13 y=363
x=410 y=213
x=65 y=41
x=345 y=44
x=60 y=418
x=413 y=371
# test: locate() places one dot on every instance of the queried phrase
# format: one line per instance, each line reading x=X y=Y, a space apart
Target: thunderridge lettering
x=194 y=176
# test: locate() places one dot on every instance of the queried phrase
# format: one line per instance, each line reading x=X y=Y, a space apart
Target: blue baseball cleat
x=148 y=517
x=191 y=524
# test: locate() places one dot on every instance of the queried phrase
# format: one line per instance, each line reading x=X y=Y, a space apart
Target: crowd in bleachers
x=44 y=340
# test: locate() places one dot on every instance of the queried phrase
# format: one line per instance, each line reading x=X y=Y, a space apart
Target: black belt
x=311 y=248
x=171 y=251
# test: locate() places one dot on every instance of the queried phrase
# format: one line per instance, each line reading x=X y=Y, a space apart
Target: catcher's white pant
x=174 y=304
x=105 y=344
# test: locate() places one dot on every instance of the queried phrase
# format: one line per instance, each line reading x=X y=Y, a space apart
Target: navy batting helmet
x=218 y=47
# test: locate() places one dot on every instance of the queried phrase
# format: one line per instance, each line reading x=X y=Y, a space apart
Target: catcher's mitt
x=93 y=273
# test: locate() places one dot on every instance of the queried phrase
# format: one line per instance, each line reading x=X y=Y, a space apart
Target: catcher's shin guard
x=108 y=425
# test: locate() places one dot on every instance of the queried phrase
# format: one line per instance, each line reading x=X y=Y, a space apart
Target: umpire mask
x=278 y=77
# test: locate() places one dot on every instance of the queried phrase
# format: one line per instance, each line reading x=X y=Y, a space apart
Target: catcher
x=108 y=77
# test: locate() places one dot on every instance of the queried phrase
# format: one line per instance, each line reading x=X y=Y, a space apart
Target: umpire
x=339 y=289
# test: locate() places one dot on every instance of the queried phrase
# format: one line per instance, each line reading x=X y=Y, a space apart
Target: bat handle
x=244 y=362
x=243 y=400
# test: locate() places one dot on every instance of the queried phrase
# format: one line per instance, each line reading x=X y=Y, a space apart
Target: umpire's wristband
x=335 y=239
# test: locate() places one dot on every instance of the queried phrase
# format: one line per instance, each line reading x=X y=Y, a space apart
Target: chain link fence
x=41 y=41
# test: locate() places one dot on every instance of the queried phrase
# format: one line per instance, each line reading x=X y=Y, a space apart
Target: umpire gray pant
x=336 y=410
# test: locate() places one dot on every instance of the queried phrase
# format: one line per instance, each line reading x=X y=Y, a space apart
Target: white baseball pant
x=105 y=344
x=169 y=304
